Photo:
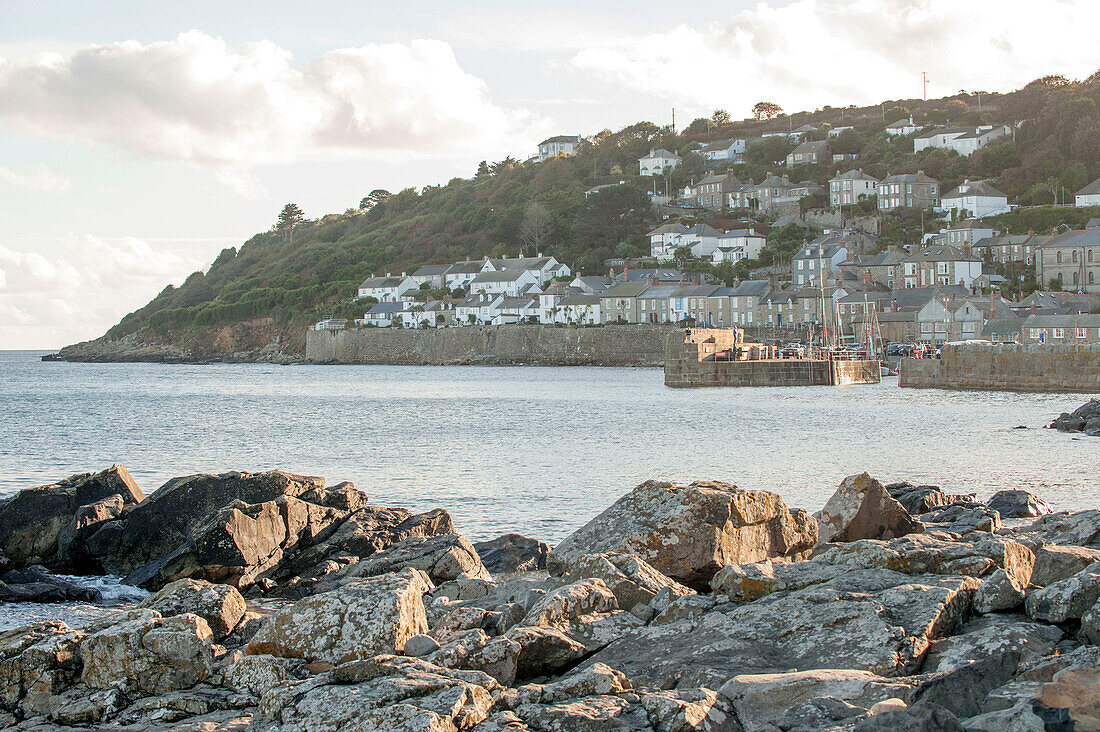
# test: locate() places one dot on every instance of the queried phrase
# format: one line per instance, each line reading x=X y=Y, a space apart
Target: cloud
x=40 y=178
x=196 y=99
x=85 y=286
x=816 y=52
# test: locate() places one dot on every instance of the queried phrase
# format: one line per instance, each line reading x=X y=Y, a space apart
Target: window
x=1080 y=332
x=1074 y=255
x=1059 y=332
x=1059 y=257
x=1034 y=334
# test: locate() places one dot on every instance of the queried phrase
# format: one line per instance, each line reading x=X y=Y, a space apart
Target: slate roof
x=660 y=153
x=975 y=188
x=1091 y=189
x=373 y=283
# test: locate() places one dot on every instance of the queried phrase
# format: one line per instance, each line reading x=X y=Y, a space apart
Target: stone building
x=1073 y=258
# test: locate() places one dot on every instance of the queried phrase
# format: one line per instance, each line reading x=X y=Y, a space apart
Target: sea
x=533 y=450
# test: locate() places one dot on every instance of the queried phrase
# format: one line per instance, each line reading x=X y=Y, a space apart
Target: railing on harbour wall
x=1007 y=367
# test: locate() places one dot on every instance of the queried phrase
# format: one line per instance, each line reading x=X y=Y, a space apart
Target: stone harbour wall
x=1009 y=367
x=544 y=345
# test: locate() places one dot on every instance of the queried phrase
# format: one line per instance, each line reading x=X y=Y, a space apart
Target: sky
x=138 y=139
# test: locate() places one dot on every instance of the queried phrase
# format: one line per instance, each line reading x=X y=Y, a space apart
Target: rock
x=362 y=618
x=1080 y=529
x=1054 y=562
x=819 y=713
x=544 y=651
x=143 y=651
x=748 y=582
x=1066 y=599
x=221 y=606
x=887 y=705
x=1080 y=419
x=420 y=645
x=456 y=621
x=761 y=700
x=917 y=718
x=998 y=592
x=690 y=532
x=990 y=636
x=443 y=558
x=37 y=662
x=1076 y=689
x=513 y=553
x=960 y=518
x=872 y=620
x=1018 y=718
x=77 y=550
x=36 y=584
x=1018 y=504
x=79 y=707
x=629 y=578
x=1090 y=624
x=932 y=554
x=588 y=713
x=918 y=499
x=963 y=689
x=382 y=694
x=256 y=675
x=33 y=520
x=862 y=509
x=246 y=628
x=571 y=603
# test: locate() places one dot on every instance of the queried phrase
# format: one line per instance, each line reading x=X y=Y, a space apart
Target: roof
x=1049 y=300
x=1075 y=238
x=940 y=253
x=465 y=268
x=660 y=153
x=431 y=270
x=387 y=308
x=717 y=145
x=518 y=302
x=703 y=230
x=1002 y=326
x=561 y=138
x=673 y=228
x=638 y=275
x=477 y=300
x=625 y=289
x=1074 y=320
x=1091 y=189
x=815 y=251
x=719 y=178
x=520 y=263
x=815 y=146
x=751 y=288
x=579 y=300
x=909 y=178
x=855 y=175
x=778 y=296
x=695 y=291
x=657 y=292
x=975 y=188
x=903 y=122
x=507 y=276
x=970 y=224
x=740 y=233
x=595 y=282
x=1010 y=240
x=373 y=283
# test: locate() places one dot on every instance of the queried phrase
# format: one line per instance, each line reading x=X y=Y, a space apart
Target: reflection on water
x=533 y=450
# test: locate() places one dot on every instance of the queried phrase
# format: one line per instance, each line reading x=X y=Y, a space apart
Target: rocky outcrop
x=690 y=532
x=1086 y=418
x=918 y=499
x=221 y=606
x=37 y=584
x=513 y=553
x=1018 y=504
x=862 y=509
x=630 y=579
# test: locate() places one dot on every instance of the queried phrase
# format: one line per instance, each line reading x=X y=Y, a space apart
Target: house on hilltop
x=902 y=127
x=388 y=288
x=558 y=145
x=658 y=162
x=974 y=198
x=1088 y=196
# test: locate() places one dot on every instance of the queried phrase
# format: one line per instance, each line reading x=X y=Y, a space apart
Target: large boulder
x=443 y=558
x=362 y=618
x=862 y=509
x=37 y=584
x=988 y=636
x=33 y=521
x=632 y=580
x=1067 y=599
x=513 y=553
x=918 y=499
x=1055 y=562
x=999 y=591
x=142 y=651
x=872 y=620
x=221 y=606
x=1018 y=504
x=690 y=532
x=37 y=662
x=1080 y=529
x=962 y=517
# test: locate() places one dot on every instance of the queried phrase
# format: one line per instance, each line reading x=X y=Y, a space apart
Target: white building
x=460 y=274
x=388 y=288
x=963 y=140
x=702 y=240
x=543 y=268
x=432 y=274
x=386 y=314
x=434 y=314
x=580 y=310
x=511 y=283
x=902 y=127
x=478 y=309
x=940 y=266
x=731 y=150
x=664 y=240
x=558 y=145
x=750 y=241
x=851 y=187
x=1089 y=195
x=964 y=234
x=657 y=162
x=516 y=310
x=974 y=198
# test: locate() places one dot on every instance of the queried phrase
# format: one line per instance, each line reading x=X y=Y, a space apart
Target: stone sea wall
x=613 y=345
x=1054 y=368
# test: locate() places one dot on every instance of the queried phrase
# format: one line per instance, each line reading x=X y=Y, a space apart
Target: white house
x=940 y=265
x=963 y=140
x=1089 y=195
x=388 y=288
x=702 y=240
x=543 y=268
x=968 y=232
x=663 y=240
x=385 y=314
x=849 y=188
x=478 y=309
x=657 y=162
x=726 y=253
x=516 y=310
x=432 y=274
x=750 y=241
x=558 y=145
x=902 y=127
x=974 y=198
x=837 y=131
x=511 y=283
x=732 y=150
x=815 y=264
x=580 y=309
x=460 y=274
x=434 y=314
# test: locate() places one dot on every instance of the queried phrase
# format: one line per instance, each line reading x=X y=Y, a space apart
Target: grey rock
x=917 y=718
x=1090 y=624
x=1018 y=504
x=960 y=518
x=420 y=645
x=513 y=553
x=1018 y=718
x=918 y=499
x=37 y=584
x=1067 y=599
x=988 y=636
x=221 y=606
x=862 y=509
x=443 y=558
x=632 y=580
x=1056 y=562
x=963 y=689
x=999 y=591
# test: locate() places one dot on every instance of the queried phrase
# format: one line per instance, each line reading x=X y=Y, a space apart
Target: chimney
x=894 y=305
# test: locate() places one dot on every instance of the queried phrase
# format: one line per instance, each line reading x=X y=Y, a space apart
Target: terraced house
x=909 y=190
x=1073 y=259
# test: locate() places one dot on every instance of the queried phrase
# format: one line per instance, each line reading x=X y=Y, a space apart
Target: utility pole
x=924 y=78
x=674 y=119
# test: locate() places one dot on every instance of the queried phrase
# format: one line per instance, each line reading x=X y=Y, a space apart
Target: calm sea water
x=533 y=450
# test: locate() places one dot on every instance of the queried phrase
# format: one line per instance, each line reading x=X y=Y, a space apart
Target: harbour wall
x=544 y=345
x=1007 y=367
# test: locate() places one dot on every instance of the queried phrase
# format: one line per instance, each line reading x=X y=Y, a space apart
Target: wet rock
x=999 y=591
x=32 y=521
x=1082 y=419
x=1067 y=599
x=362 y=618
x=37 y=584
x=960 y=518
x=918 y=499
x=690 y=532
x=872 y=620
x=1018 y=504
x=862 y=509
x=1054 y=562
x=221 y=606
x=143 y=651
x=630 y=579
x=442 y=558
x=513 y=553
x=81 y=544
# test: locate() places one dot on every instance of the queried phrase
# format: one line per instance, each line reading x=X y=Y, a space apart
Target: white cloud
x=85 y=286
x=197 y=99
x=39 y=178
x=816 y=52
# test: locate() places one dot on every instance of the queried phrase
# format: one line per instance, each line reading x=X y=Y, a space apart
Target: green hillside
x=296 y=275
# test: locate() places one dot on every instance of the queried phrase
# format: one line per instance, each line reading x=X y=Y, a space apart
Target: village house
x=702 y=240
x=772 y=191
x=1083 y=329
x=974 y=198
x=658 y=162
x=550 y=301
x=963 y=140
x=1073 y=258
x=524 y=309
x=590 y=285
x=388 y=288
x=619 y=304
x=837 y=131
x=460 y=274
x=777 y=309
x=478 y=309
x=940 y=265
x=433 y=275
x=816 y=264
x=1049 y=302
x=964 y=234
x=902 y=127
x=581 y=309
x=909 y=190
x=664 y=240
x=711 y=191
x=558 y=145
x=434 y=314
x=386 y=314
x=1089 y=195
x=718 y=313
x=810 y=153
x=511 y=283
x=659 y=276
x=732 y=151
x=690 y=303
x=851 y=187
x=742 y=196
x=883 y=268
x=653 y=304
x=1013 y=248
x=745 y=301
x=543 y=268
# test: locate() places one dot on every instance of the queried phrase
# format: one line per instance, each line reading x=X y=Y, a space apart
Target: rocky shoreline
x=132 y=349
x=281 y=603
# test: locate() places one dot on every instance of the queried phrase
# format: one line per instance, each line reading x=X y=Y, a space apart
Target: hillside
x=278 y=281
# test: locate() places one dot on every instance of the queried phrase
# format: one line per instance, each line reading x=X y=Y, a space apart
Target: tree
x=721 y=117
x=289 y=217
x=372 y=199
x=724 y=271
x=482 y=169
x=698 y=126
x=536 y=227
x=766 y=110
